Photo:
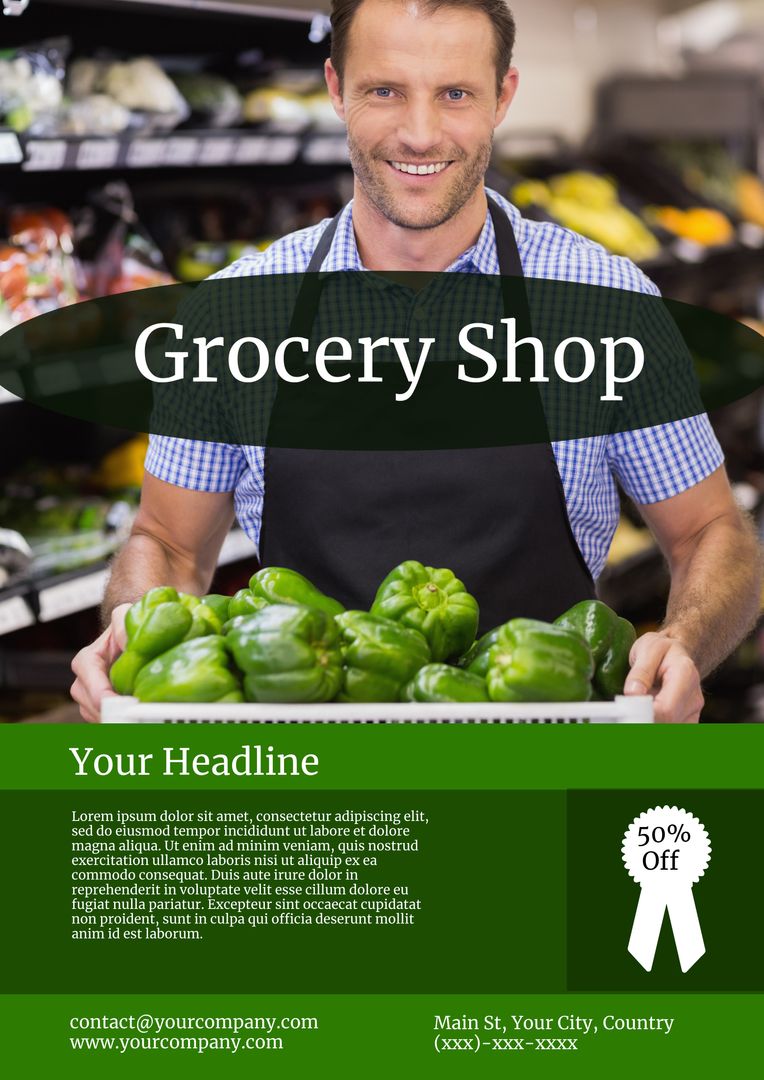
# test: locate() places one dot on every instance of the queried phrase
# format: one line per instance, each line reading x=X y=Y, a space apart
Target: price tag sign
x=666 y=850
x=688 y=251
x=751 y=235
x=216 y=151
x=44 y=155
x=97 y=154
x=145 y=153
x=251 y=150
x=15 y=614
x=326 y=150
x=75 y=595
x=10 y=148
x=181 y=150
x=282 y=149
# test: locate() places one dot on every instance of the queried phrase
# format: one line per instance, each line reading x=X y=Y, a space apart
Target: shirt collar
x=481 y=258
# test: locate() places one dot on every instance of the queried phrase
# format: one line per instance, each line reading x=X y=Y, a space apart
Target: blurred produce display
x=712 y=172
x=31 y=85
x=38 y=272
x=69 y=516
x=589 y=204
x=45 y=93
x=699 y=224
x=40 y=269
x=213 y=100
x=140 y=86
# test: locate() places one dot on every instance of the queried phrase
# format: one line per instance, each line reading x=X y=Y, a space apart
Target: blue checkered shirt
x=651 y=464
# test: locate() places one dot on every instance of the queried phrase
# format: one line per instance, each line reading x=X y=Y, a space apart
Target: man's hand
x=175 y=540
x=661 y=666
x=91 y=666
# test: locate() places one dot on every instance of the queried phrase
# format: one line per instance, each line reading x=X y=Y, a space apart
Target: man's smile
x=419 y=169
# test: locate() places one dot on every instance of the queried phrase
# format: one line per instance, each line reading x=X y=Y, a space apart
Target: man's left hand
x=661 y=666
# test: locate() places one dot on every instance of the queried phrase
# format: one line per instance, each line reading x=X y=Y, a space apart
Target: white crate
x=624 y=710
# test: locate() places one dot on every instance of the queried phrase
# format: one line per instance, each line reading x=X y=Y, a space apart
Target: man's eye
x=382 y=91
x=455 y=95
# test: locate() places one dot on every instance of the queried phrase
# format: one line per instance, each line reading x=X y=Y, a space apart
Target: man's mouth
x=413 y=169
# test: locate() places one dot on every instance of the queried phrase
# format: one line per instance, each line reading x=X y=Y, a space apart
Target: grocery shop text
x=575 y=359
x=251 y=760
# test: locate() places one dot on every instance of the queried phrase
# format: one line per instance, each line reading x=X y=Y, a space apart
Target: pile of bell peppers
x=282 y=640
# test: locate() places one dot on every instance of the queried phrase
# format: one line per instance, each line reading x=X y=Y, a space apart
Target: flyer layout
x=381 y=516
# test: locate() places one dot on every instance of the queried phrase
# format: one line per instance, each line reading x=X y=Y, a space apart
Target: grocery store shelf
x=294 y=10
x=55 y=597
x=217 y=148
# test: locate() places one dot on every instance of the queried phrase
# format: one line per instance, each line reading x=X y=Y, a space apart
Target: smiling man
x=420 y=141
x=421 y=85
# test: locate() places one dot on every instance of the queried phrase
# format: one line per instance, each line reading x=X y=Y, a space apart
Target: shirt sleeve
x=653 y=463
x=195 y=463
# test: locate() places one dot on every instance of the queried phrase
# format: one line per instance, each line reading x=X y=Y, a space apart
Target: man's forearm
x=715 y=591
x=143 y=563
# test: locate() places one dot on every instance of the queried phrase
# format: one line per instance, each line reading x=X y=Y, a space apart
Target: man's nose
x=420 y=128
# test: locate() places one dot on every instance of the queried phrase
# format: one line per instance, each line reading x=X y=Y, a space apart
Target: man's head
x=421 y=85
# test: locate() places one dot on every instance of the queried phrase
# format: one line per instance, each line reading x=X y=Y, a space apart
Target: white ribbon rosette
x=666 y=850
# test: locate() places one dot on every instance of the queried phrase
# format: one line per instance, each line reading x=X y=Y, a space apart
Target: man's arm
x=716 y=576
x=175 y=540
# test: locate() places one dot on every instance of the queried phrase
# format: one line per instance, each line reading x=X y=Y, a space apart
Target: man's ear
x=333 y=86
x=508 y=90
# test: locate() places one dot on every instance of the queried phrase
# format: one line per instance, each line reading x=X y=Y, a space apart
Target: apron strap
x=323 y=246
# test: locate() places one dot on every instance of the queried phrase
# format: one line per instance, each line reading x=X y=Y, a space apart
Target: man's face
x=419 y=99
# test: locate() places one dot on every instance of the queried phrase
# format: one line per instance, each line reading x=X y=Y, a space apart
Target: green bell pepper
x=196 y=670
x=537 y=661
x=434 y=602
x=154 y=624
x=279 y=585
x=244 y=602
x=443 y=683
x=608 y=636
x=219 y=605
x=475 y=660
x=204 y=622
x=379 y=656
x=288 y=652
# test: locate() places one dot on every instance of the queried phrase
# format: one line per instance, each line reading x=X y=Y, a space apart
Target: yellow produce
x=700 y=224
x=589 y=204
x=123 y=467
x=617 y=229
x=749 y=194
x=584 y=187
x=529 y=192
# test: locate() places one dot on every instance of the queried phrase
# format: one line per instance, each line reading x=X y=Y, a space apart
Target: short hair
x=497 y=11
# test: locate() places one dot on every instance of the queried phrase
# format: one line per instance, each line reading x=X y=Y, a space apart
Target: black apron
x=495 y=516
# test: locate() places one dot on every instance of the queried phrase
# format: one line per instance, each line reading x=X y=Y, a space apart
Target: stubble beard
x=469 y=175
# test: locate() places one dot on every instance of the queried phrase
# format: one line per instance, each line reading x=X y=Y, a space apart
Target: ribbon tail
x=686 y=927
x=646 y=927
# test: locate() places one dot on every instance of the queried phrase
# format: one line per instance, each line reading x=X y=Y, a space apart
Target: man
x=421 y=86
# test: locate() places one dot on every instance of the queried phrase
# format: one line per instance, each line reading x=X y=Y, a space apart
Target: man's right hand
x=91 y=666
